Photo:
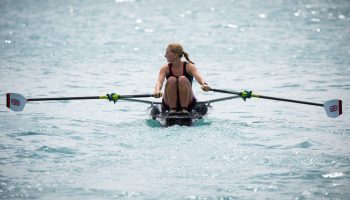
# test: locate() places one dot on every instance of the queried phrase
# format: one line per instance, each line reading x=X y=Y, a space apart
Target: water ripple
x=333 y=175
x=28 y=133
x=58 y=150
x=303 y=145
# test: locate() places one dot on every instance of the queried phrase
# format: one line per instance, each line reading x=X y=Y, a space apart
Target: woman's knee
x=171 y=81
x=183 y=81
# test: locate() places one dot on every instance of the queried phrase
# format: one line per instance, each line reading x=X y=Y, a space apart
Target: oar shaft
x=88 y=97
x=287 y=100
x=65 y=98
x=268 y=97
x=219 y=99
x=135 y=96
x=226 y=91
x=141 y=101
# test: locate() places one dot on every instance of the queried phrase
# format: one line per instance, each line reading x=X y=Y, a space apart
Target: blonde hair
x=179 y=50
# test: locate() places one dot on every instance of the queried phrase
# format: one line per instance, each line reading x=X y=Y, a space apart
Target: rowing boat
x=158 y=113
x=166 y=119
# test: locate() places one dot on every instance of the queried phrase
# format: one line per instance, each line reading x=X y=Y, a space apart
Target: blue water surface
x=94 y=149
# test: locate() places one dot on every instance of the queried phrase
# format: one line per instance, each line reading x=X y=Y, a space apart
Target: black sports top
x=184 y=72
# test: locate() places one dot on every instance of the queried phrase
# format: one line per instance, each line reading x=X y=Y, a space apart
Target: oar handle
x=65 y=98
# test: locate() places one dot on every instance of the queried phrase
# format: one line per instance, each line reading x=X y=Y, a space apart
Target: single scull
x=333 y=108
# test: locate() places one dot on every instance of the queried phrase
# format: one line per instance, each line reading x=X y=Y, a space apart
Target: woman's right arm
x=160 y=81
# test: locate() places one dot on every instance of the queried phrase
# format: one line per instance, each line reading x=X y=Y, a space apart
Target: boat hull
x=166 y=119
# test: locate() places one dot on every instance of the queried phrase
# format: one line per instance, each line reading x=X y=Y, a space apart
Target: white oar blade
x=333 y=108
x=15 y=101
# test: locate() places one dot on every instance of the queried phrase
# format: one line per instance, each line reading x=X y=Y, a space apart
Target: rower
x=178 y=95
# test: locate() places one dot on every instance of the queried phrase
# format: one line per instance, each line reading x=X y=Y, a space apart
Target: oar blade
x=15 y=102
x=333 y=108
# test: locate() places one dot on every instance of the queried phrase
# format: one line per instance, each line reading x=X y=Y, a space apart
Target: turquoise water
x=258 y=149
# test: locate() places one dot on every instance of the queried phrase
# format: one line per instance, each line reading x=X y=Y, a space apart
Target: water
x=258 y=149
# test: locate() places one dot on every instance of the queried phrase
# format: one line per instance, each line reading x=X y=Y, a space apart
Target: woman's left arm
x=193 y=70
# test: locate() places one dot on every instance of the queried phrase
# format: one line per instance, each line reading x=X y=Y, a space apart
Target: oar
x=333 y=107
x=16 y=102
x=208 y=102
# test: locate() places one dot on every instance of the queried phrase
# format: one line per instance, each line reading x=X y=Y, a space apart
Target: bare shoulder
x=164 y=69
x=191 y=67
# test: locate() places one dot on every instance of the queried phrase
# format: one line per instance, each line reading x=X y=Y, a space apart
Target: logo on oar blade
x=333 y=108
x=15 y=102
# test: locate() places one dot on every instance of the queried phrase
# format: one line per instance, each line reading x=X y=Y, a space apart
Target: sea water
x=253 y=149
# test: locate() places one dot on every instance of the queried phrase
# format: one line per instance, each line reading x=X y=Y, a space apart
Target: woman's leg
x=170 y=92
x=185 y=91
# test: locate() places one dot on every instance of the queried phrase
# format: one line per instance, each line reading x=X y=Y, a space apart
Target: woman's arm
x=193 y=70
x=160 y=81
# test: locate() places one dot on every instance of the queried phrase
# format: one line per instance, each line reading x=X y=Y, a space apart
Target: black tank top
x=184 y=72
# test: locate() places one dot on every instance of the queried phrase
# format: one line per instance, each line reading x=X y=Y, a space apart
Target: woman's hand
x=205 y=87
x=157 y=94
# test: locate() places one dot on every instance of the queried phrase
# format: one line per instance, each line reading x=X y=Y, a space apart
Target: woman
x=178 y=94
